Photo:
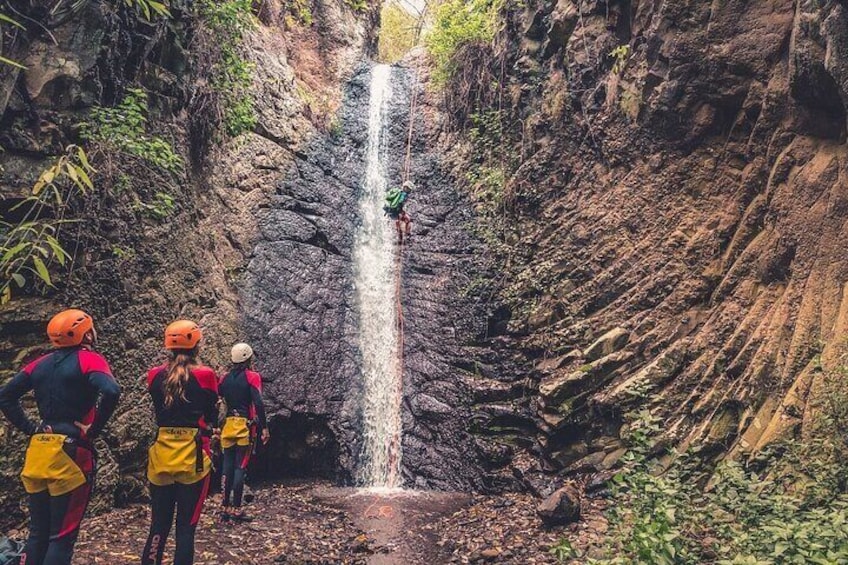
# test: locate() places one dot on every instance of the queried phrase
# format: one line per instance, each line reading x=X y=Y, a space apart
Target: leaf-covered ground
x=315 y=524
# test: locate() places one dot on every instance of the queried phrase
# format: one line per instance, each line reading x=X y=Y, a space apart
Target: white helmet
x=241 y=352
x=408 y=186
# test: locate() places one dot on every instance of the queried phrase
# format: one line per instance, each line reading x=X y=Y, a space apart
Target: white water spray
x=375 y=281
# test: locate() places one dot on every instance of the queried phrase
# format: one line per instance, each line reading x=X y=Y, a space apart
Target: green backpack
x=395 y=198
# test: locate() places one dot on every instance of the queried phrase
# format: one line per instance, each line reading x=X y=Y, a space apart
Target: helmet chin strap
x=89 y=340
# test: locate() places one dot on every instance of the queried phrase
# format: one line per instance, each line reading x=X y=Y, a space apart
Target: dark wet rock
x=298 y=301
x=590 y=463
x=424 y=406
x=562 y=507
x=443 y=320
x=493 y=454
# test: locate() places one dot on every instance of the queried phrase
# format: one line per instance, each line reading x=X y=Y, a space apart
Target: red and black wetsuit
x=67 y=384
x=241 y=389
x=182 y=492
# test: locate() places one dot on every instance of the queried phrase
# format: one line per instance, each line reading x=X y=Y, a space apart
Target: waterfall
x=375 y=280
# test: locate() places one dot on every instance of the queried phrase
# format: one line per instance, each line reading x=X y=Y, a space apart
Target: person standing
x=76 y=395
x=241 y=390
x=185 y=397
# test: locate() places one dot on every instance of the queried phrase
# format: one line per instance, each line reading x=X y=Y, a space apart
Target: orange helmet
x=182 y=334
x=69 y=327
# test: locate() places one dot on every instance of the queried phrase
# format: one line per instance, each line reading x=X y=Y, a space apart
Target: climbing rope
x=394 y=448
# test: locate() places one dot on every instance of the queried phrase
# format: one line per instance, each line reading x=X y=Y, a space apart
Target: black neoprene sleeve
x=10 y=402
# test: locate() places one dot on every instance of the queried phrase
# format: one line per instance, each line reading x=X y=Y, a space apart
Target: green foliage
x=563 y=551
x=31 y=244
x=459 y=23
x=488 y=174
x=163 y=206
x=150 y=8
x=229 y=21
x=788 y=506
x=357 y=5
x=398 y=32
x=124 y=129
x=620 y=55
x=5 y=19
x=299 y=12
x=122 y=252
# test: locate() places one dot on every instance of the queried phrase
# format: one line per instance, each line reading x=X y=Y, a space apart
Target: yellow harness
x=236 y=432
x=177 y=456
x=49 y=467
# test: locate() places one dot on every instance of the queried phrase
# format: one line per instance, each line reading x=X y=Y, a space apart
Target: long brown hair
x=179 y=370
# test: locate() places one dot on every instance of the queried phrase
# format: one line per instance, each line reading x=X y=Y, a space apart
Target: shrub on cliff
x=459 y=23
x=399 y=30
x=228 y=22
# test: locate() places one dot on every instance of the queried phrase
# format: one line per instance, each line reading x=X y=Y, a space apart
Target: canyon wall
x=675 y=222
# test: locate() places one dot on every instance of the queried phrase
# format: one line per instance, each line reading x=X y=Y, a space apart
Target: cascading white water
x=375 y=279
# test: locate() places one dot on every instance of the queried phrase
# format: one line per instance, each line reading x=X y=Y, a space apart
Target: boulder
x=612 y=341
x=560 y=508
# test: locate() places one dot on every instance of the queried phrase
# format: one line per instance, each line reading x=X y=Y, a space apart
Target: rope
x=408 y=162
x=394 y=448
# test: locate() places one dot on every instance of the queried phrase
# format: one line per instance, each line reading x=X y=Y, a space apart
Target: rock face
x=444 y=315
x=136 y=273
x=299 y=308
x=691 y=190
x=296 y=296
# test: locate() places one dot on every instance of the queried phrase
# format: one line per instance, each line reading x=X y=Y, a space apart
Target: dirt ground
x=316 y=524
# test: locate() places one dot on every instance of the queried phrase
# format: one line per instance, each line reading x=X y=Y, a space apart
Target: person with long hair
x=241 y=390
x=185 y=398
x=76 y=395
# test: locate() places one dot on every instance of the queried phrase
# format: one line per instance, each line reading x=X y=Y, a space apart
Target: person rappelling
x=395 y=200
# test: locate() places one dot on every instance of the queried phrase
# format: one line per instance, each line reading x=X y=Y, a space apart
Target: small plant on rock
x=620 y=55
x=229 y=21
x=30 y=244
x=459 y=23
x=162 y=206
x=123 y=129
x=357 y=5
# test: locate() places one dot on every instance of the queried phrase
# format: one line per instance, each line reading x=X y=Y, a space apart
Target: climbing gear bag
x=395 y=198
x=178 y=456
x=236 y=432
x=56 y=463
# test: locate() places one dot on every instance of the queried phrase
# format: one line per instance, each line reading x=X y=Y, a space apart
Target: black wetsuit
x=242 y=391
x=197 y=410
x=67 y=384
